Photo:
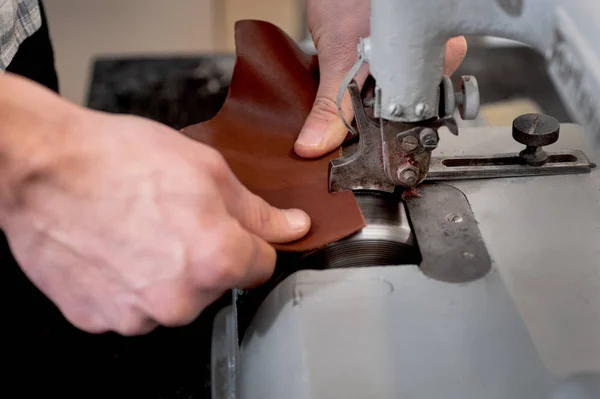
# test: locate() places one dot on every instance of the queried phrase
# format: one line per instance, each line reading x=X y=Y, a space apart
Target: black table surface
x=43 y=354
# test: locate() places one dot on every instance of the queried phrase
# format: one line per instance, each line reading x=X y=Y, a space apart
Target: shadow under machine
x=415 y=305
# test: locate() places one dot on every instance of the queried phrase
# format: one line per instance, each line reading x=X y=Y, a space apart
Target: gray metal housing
x=408 y=39
x=391 y=332
x=407 y=43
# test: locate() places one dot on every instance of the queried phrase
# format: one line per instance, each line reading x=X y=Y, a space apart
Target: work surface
x=172 y=363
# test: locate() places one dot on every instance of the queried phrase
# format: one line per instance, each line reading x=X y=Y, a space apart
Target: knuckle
x=229 y=260
x=169 y=306
x=216 y=164
x=340 y=52
x=324 y=108
x=133 y=324
x=170 y=315
x=262 y=214
x=88 y=322
x=131 y=328
x=230 y=269
x=181 y=311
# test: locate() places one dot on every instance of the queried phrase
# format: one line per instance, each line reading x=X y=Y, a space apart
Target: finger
x=176 y=303
x=276 y=226
x=324 y=130
x=235 y=258
x=272 y=224
x=89 y=323
x=261 y=263
x=456 y=51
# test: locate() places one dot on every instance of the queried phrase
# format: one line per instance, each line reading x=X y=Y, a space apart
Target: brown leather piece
x=272 y=91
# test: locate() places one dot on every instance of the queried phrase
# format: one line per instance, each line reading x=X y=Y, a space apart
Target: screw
x=420 y=109
x=429 y=138
x=454 y=218
x=408 y=175
x=395 y=109
x=409 y=143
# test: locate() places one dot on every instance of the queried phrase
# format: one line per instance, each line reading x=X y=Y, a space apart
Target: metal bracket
x=348 y=79
x=362 y=169
x=387 y=154
x=224 y=354
x=451 y=245
x=506 y=165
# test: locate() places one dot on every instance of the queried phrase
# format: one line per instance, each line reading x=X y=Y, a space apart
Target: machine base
x=392 y=332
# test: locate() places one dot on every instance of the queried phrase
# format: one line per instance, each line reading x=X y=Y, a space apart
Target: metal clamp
x=350 y=76
x=386 y=154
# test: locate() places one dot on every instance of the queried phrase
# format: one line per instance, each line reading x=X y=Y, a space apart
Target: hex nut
x=408 y=175
x=429 y=138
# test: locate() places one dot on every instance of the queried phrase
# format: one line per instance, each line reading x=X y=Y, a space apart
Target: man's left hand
x=336 y=26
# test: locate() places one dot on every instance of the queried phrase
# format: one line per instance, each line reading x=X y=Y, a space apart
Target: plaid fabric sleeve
x=19 y=19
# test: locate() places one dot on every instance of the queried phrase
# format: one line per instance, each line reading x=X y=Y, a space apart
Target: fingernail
x=297 y=220
x=310 y=138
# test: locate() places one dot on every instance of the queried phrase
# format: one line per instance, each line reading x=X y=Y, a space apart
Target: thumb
x=323 y=130
x=274 y=225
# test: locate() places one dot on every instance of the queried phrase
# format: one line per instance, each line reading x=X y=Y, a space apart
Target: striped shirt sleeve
x=19 y=19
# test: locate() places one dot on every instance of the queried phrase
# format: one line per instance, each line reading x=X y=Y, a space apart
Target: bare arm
x=30 y=118
x=122 y=222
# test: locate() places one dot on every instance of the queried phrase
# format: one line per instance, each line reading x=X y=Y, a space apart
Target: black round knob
x=535 y=130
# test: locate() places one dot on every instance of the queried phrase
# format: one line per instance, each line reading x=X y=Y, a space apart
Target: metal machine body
x=406 y=48
x=485 y=286
x=392 y=332
x=409 y=75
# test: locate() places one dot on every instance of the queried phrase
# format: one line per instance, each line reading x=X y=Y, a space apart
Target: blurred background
x=122 y=55
x=85 y=29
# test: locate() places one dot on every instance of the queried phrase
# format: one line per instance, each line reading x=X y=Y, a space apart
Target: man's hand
x=124 y=223
x=336 y=26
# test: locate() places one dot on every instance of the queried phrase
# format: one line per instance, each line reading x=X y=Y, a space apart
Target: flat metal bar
x=506 y=165
x=451 y=245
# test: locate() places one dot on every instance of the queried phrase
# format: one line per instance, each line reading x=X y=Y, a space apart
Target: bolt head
x=395 y=109
x=420 y=109
x=409 y=143
x=454 y=218
x=408 y=175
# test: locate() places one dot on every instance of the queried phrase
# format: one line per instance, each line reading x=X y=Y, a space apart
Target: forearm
x=29 y=114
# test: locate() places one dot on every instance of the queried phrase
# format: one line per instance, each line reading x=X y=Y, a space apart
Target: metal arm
x=407 y=44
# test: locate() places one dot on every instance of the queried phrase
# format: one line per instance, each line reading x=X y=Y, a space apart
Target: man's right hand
x=122 y=222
